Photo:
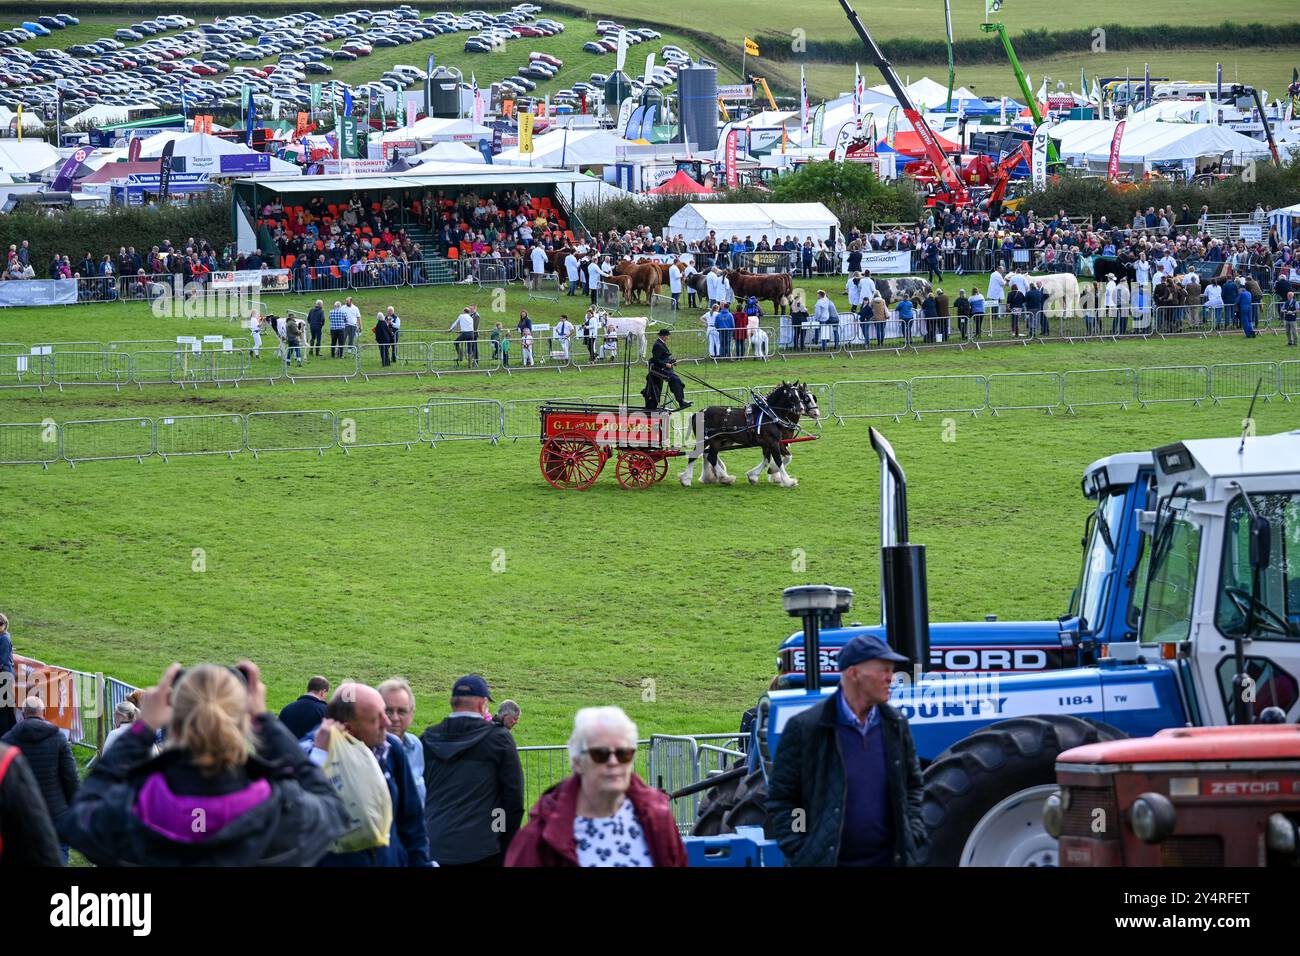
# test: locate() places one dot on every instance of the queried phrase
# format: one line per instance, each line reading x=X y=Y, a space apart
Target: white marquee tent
x=586 y=147
x=433 y=129
x=203 y=152
x=1087 y=142
x=448 y=153
x=27 y=158
x=800 y=219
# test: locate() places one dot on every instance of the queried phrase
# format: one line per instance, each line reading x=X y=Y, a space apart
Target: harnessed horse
x=763 y=423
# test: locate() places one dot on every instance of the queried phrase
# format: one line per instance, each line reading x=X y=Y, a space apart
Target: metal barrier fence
x=189 y=435
x=490 y=420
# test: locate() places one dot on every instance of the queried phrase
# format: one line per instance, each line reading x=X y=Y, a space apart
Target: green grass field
x=825 y=19
x=665 y=602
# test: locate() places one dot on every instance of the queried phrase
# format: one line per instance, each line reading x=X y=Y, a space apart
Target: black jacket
x=661 y=356
x=471 y=770
x=302 y=715
x=27 y=836
x=808 y=774
x=292 y=827
x=316 y=317
x=49 y=755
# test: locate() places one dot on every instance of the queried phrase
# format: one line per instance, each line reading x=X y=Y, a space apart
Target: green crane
x=1028 y=94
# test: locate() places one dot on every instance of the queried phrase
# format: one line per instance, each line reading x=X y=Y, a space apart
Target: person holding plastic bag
x=230 y=788
x=370 y=771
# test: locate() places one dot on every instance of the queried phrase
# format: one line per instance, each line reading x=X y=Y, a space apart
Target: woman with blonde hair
x=230 y=788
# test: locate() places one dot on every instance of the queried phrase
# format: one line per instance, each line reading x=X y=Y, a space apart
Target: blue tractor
x=1101 y=608
x=1216 y=642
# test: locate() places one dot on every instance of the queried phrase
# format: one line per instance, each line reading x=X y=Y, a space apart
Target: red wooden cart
x=577 y=440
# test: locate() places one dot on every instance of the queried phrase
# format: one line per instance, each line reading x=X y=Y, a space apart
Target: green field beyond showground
x=435 y=562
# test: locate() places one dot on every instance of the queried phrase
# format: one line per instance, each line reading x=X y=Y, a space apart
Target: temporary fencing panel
x=373 y=427
x=609 y=297
x=1289 y=378
x=153 y=367
x=547 y=288
x=325 y=365
x=185 y=435
x=20 y=370
x=662 y=311
x=462 y=355
x=1024 y=390
x=105 y=439
x=401 y=358
x=1098 y=386
x=432 y=272
x=949 y=393
x=29 y=443
x=871 y=399
x=378 y=275
x=462 y=419
x=97 y=289
x=290 y=431
x=90 y=368
x=1170 y=383
x=1240 y=380
x=210 y=367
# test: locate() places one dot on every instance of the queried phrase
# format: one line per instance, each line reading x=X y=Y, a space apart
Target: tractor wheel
x=714 y=807
x=984 y=795
x=750 y=809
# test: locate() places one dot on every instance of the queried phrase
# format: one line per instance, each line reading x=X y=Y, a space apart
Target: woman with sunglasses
x=604 y=814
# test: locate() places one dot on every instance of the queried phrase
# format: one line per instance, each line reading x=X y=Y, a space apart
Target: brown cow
x=645 y=278
x=555 y=262
x=776 y=287
x=624 y=284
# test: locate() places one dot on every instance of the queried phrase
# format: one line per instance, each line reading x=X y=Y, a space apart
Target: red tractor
x=1202 y=796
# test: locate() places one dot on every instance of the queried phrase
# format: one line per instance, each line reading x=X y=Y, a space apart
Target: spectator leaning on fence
x=49 y=754
x=232 y=787
x=603 y=814
x=360 y=710
x=475 y=784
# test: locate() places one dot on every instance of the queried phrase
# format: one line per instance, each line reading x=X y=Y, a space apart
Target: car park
x=594 y=47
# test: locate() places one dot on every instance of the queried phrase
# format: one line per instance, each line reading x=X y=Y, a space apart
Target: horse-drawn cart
x=578 y=438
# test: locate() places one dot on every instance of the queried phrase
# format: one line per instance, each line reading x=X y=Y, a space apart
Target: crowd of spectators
x=199 y=771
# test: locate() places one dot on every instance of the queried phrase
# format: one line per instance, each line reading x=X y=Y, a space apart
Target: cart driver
x=661 y=369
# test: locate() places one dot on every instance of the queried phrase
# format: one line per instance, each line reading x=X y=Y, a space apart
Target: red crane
x=957 y=193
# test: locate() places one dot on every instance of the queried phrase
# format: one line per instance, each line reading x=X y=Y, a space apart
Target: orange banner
x=55 y=686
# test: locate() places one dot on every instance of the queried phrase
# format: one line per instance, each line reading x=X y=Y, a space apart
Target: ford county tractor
x=1217 y=642
x=1102 y=609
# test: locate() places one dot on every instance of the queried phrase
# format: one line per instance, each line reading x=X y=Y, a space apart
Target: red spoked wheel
x=637 y=469
x=571 y=460
x=661 y=467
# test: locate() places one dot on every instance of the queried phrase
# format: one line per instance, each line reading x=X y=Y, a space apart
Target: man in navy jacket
x=307 y=711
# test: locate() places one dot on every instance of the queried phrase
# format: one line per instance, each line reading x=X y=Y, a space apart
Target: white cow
x=1062 y=290
x=629 y=325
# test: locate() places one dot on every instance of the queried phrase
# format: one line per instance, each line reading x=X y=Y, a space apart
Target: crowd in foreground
x=198 y=771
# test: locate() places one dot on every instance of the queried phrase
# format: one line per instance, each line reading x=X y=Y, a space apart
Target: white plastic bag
x=353 y=772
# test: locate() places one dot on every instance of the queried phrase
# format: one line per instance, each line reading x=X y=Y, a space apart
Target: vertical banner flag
x=133 y=149
x=1146 y=95
x=857 y=97
x=429 y=72
x=621 y=56
x=383 y=116
x=485 y=148
x=1039 y=156
x=1002 y=111
x=478 y=100
x=300 y=129
x=180 y=85
x=63 y=181
x=20 y=121
x=819 y=120
x=842 y=143
x=165 y=170
x=803 y=101
x=1218 y=82
x=1112 y=171
x=526 y=134
x=733 y=180
x=751 y=48
x=868 y=125
x=624 y=115
x=891 y=125
x=251 y=119
x=348 y=132
x=315 y=99
x=649 y=68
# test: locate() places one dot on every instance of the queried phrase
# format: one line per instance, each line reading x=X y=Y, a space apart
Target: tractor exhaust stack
x=904 y=591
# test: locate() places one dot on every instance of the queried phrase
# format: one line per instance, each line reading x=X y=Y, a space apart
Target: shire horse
x=761 y=424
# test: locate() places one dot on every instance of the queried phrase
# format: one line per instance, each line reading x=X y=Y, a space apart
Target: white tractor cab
x=1217 y=643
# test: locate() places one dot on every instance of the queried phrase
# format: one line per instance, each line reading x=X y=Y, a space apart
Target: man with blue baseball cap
x=845 y=788
x=473 y=781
